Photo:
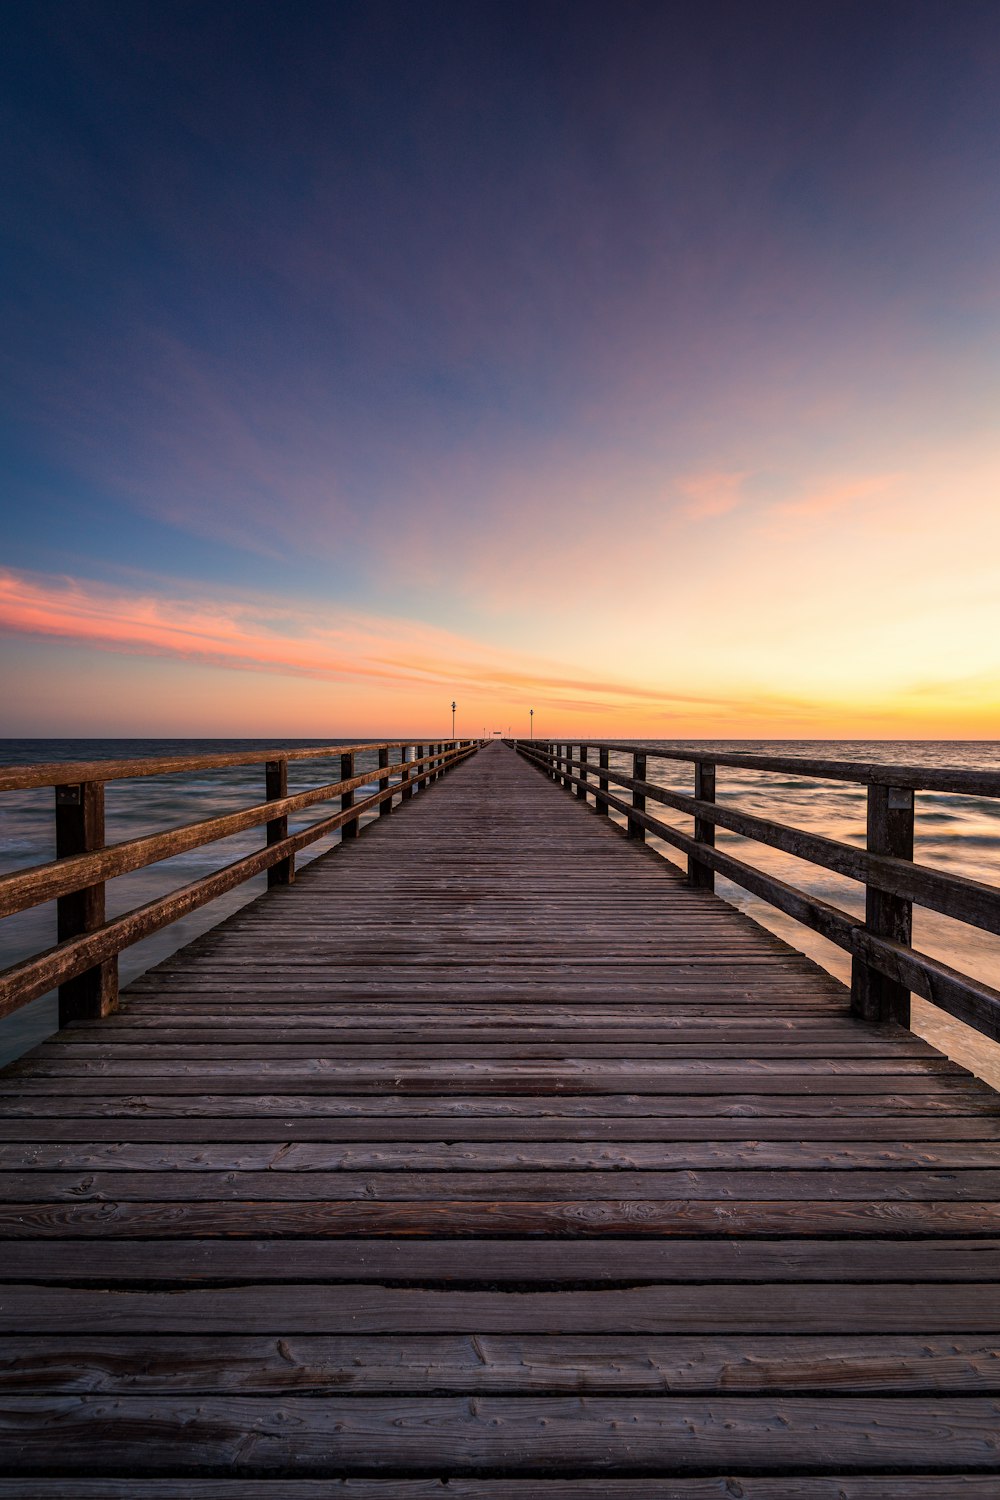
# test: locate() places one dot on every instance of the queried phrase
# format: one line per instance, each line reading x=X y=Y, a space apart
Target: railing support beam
x=350 y=829
x=874 y=997
x=699 y=875
x=275 y=786
x=602 y=782
x=635 y=829
x=80 y=830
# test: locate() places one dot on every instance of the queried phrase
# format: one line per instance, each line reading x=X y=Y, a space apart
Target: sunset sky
x=635 y=362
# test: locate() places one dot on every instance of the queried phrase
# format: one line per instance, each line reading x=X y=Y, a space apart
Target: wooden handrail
x=952 y=895
x=84 y=962
x=974 y=783
x=62 y=772
x=885 y=966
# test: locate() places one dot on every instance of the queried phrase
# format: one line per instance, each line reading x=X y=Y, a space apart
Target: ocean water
x=957 y=834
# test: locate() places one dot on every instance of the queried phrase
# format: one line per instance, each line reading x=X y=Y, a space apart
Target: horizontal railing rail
x=59 y=772
x=83 y=963
x=886 y=968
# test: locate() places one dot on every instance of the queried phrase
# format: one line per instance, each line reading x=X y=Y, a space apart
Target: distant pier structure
x=492 y=1156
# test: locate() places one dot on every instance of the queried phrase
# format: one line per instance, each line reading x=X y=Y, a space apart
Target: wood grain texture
x=492 y=1152
x=529 y=1434
x=674 y=1487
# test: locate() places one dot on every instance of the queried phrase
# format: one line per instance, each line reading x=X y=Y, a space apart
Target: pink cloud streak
x=350 y=648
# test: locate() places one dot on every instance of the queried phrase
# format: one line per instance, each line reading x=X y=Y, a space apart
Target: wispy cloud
x=836 y=495
x=714 y=493
x=340 y=646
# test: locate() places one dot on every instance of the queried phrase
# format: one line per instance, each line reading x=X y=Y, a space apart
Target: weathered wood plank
x=297 y=1157
x=433 y=1217
x=799 y=1487
x=573 y=1436
x=52 y=1102
x=860 y=1185
x=360 y=1307
x=135 y=1128
x=478 y=1363
x=502 y=1261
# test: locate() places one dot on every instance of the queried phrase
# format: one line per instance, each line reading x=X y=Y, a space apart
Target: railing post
x=405 y=784
x=567 y=768
x=349 y=829
x=703 y=876
x=384 y=808
x=275 y=786
x=418 y=754
x=581 y=791
x=636 y=830
x=602 y=782
x=80 y=830
x=890 y=831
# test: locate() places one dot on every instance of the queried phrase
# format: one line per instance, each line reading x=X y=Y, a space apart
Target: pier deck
x=493 y=1152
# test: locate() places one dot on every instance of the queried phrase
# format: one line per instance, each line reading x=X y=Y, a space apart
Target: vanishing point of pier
x=495 y=1158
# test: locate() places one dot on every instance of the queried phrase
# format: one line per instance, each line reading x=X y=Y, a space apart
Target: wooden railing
x=84 y=961
x=885 y=966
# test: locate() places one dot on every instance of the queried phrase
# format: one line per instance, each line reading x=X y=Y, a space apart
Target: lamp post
x=531 y=721
x=454 y=705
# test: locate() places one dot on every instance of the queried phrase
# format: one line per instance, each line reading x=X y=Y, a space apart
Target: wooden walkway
x=491 y=1152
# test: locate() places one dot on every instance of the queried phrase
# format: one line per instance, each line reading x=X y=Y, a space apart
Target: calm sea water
x=955 y=833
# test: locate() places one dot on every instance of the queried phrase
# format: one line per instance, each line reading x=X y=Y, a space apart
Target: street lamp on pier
x=531 y=721
x=454 y=705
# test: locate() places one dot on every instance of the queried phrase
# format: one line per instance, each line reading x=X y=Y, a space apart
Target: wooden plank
x=572 y=1436
x=360 y=1307
x=501 y=1064
x=888 y=1055
x=298 y=1157
x=433 y=1217
x=800 y=1487
x=164 y=1100
x=480 y=1363
x=789 y=1185
x=134 y=1128
x=500 y=1261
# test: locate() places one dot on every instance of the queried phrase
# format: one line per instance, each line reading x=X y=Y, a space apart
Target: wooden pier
x=493 y=1160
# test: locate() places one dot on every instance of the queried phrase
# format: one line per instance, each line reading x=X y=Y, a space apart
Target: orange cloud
x=715 y=493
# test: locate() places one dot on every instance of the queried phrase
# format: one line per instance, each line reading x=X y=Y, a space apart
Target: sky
x=635 y=363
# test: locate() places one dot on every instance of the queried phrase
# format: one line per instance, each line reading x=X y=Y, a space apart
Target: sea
x=954 y=833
